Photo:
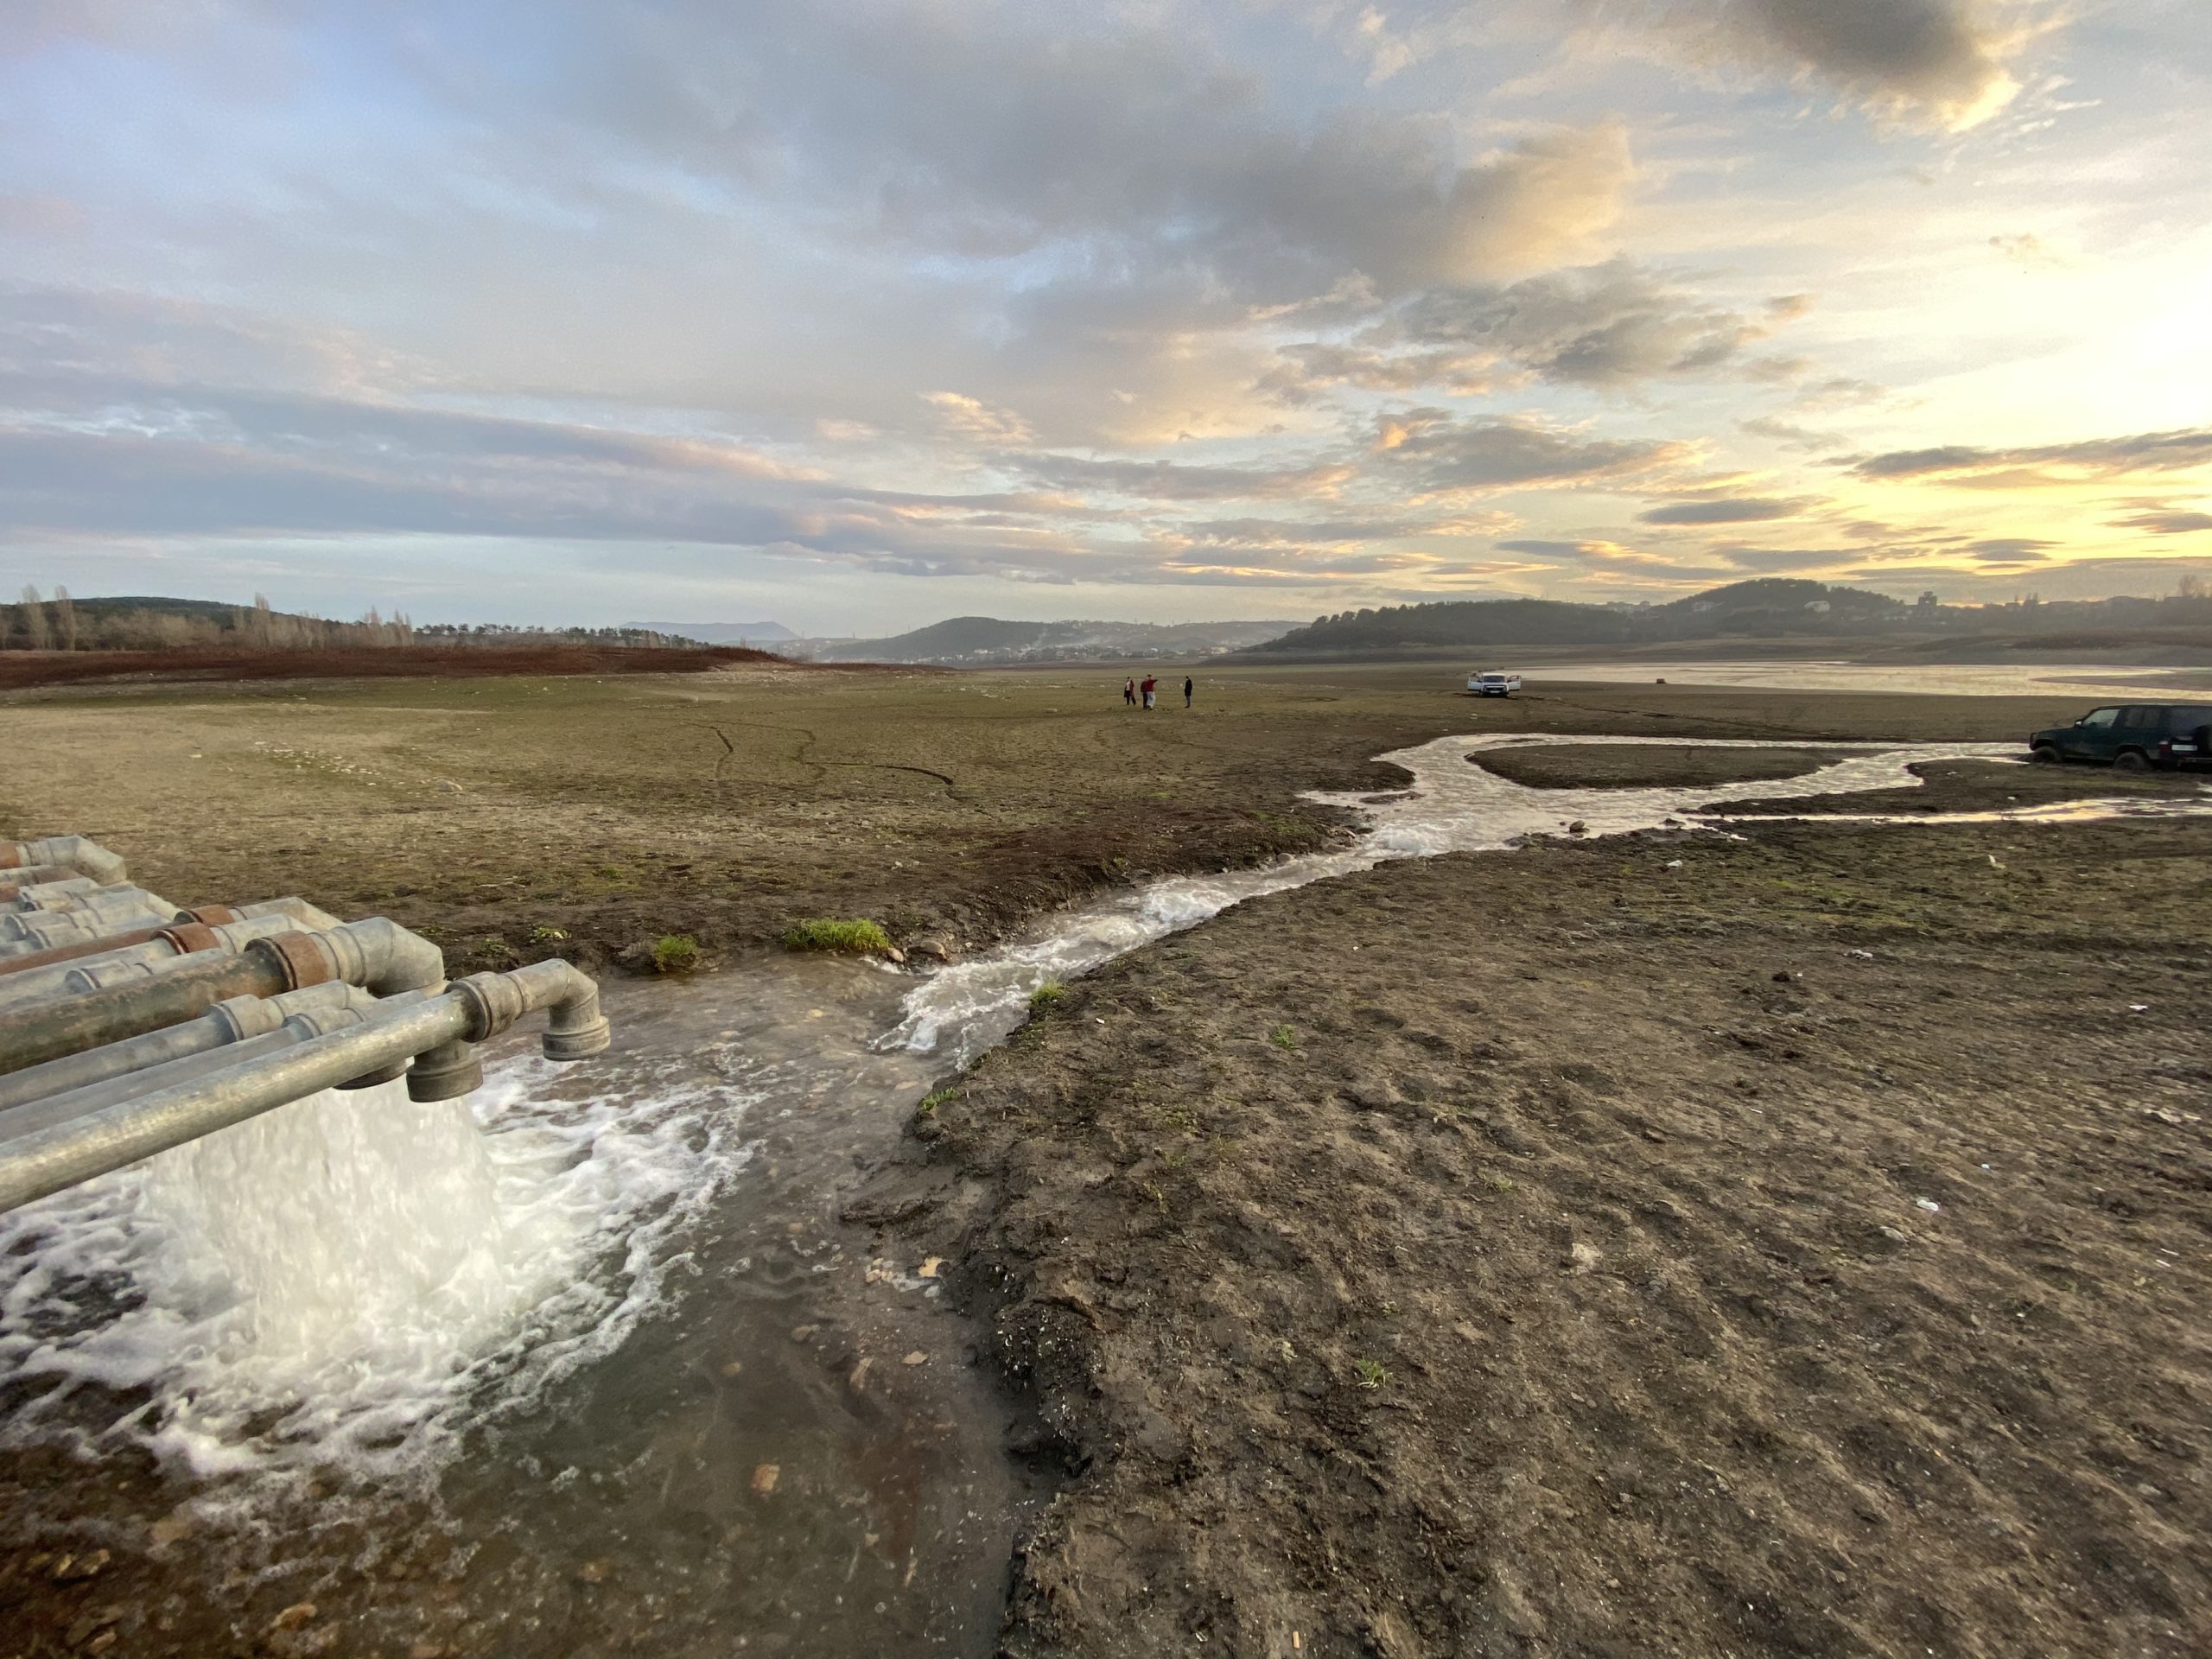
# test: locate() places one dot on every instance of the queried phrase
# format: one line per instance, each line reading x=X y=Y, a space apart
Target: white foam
x=354 y=1278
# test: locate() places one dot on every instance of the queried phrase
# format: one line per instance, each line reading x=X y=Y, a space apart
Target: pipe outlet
x=575 y=1028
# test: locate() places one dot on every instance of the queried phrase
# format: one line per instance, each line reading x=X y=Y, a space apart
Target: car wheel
x=2047 y=754
x=2131 y=760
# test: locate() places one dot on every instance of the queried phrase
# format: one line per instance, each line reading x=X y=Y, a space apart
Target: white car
x=1492 y=683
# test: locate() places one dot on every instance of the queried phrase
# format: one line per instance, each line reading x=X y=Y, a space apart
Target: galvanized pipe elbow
x=310 y=917
x=78 y=852
x=574 y=1029
x=377 y=953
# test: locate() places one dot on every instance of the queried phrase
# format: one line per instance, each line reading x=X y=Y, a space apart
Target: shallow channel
x=587 y=1362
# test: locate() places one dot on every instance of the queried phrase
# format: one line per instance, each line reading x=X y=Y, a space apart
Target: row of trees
x=61 y=623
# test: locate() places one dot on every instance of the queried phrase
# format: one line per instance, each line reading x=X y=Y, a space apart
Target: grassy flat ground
x=493 y=813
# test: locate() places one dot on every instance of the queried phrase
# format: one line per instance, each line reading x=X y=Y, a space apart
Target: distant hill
x=984 y=641
x=1769 y=606
x=721 y=633
x=215 y=610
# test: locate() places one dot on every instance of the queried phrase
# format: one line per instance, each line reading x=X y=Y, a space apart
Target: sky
x=855 y=316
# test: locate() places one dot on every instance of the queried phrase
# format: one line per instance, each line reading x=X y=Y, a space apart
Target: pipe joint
x=301 y=959
x=78 y=852
x=446 y=1072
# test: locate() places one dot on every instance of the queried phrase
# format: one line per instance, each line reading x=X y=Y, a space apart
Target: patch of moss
x=675 y=953
x=851 y=938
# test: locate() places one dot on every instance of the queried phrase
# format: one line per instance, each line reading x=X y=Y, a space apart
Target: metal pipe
x=27 y=982
x=27 y=931
x=376 y=953
x=41 y=1032
x=274 y=913
x=79 y=893
x=32 y=1165
x=475 y=1010
x=78 y=852
x=236 y=1021
x=12 y=882
x=45 y=895
x=299 y=1025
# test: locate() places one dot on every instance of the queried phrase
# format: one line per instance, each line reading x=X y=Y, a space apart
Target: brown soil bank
x=22 y=670
x=1802 y=1251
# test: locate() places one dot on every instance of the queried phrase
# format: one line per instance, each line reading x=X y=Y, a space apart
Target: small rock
x=428 y=1651
x=1582 y=1258
x=1895 y=1235
x=764 y=1478
x=1674 y=863
x=1581 y=826
x=1783 y=976
x=595 y=1572
x=931 y=1269
x=1928 y=1204
x=75 y=1569
x=917 y=1357
x=933 y=947
x=299 y=1613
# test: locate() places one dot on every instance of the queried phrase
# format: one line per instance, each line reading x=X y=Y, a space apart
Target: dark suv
x=2132 y=736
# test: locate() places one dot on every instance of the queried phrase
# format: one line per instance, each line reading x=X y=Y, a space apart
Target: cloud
x=988 y=132
x=1600 y=326
x=2143 y=452
x=2027 y=251
x=1945 y=64
x=2164 y=522
x=2009 y=550
x=1786 y=433
x=1167 y=480
x=1786 y=558
x=1586 y=552
x=1742 y=512
x=1440 y=453
x=971 y=418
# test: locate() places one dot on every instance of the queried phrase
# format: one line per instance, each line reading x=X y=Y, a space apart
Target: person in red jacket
x=1151 y=689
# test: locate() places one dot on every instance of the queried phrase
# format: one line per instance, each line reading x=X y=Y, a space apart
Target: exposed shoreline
x=1485 y=1252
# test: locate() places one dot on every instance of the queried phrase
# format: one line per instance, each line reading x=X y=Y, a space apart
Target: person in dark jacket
x=1186 y=690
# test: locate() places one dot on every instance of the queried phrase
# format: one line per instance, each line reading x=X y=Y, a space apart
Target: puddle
x=587 y=1363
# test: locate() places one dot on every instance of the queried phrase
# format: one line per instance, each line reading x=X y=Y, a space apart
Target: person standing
x=1151 y=689
x=1186 y=690
x=1129 y=691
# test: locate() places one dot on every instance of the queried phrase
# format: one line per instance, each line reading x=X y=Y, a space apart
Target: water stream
x=589 y=1355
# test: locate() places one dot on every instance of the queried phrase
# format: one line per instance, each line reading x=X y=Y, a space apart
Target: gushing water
x=343 y=1280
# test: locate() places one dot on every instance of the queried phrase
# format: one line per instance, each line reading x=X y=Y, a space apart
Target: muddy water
x=694 y=1419
x=1932 y=679
x=587 y=1362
